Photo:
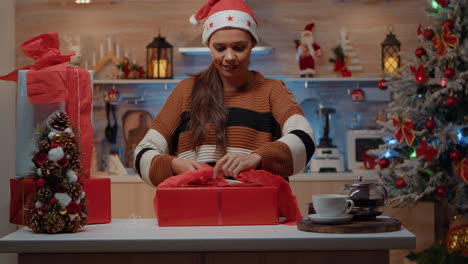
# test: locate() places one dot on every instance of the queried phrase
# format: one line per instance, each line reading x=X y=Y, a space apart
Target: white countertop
x=144 y=235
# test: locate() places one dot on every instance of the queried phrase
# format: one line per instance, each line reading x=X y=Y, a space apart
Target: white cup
x=332 y=205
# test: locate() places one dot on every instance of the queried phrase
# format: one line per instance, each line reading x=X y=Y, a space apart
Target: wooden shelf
x=136 y=81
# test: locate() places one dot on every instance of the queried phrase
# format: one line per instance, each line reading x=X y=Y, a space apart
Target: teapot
x=369 y=199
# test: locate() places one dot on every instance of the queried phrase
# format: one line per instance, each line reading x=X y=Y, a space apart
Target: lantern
x=390 y=53
x=159 y=59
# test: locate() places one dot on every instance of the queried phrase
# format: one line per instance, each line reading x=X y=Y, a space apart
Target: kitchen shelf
x=136 y=81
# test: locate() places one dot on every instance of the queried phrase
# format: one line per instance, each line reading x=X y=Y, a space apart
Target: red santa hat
x=225 y=13
x=309 y=27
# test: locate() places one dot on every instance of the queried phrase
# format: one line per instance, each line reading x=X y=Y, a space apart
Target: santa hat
x=225 y=13
x=309 y=27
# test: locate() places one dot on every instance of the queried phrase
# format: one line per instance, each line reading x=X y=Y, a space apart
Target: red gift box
x=211 y=206
x=97 y=191
x=21 y=199
x=98 y=200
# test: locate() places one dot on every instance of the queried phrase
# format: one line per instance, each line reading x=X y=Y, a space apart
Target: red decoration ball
x=358 y=95
x=400 y=183
x=40 y=183
x=430 y=124
x=113 y=96
x=428 y=34
x=440 y=192
x=455 y=155
x=448 y=23
x=384 y=163
x=382 y=85
x=451 y=101
x=419 y=52
x=449 y=73
x=52 y=201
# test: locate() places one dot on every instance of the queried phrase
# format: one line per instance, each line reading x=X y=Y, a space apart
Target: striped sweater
x=265 y=119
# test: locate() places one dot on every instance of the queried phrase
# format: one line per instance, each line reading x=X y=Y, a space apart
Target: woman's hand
x=233 y=163
x=180 y=166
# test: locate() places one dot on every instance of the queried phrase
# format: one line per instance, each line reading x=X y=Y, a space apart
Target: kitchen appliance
x=358 y=142
x=369 y=199
x=327 y=157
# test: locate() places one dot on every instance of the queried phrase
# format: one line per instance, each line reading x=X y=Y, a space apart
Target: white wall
x=7 y=118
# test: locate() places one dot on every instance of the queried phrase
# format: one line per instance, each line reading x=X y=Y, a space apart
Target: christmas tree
x=426 y=158
x=59 y=202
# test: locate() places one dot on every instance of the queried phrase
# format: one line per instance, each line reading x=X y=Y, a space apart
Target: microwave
x=358 y=142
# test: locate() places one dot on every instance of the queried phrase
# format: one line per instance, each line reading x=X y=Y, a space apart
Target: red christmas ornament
x=113 y=96
x=382 y=85
x=449 y=73
x=430 y=124
x=419 y=52
x=451 y=101
x=384 y=163
x=428 y=34
x=400 y=183
x=358 y=95
x=448 y=23
x=52 y=201
x=440 y=192
x=420 y=74
x=454 y=155
x=40 y=183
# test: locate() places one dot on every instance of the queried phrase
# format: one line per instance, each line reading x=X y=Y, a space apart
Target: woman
x=227 y=115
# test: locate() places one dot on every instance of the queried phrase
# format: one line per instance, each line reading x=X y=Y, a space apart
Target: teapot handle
x=383 y=191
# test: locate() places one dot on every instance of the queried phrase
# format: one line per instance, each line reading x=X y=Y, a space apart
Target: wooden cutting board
x=378 y=225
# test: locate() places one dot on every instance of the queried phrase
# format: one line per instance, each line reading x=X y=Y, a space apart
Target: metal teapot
x=369 y=199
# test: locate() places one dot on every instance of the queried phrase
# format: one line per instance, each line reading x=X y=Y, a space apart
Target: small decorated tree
x=59 y=202
x=425 y=157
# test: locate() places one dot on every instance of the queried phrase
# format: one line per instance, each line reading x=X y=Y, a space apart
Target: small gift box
x=98 y=200
x=21 y=199
x=211 y=206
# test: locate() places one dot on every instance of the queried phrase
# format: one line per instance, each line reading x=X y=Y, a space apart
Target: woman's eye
x=219 y=48
x=239 y=48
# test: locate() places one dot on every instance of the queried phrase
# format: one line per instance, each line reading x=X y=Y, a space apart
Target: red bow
x=340 y=67
x=462 y=169
x=404 y=131
x=424 y=150
x=445 y=39
x=420 y=74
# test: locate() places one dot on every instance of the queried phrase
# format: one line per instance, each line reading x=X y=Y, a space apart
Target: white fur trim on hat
x=229 y=18
x=194 y=21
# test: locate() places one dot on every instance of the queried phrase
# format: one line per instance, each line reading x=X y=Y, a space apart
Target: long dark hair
x=207 y=106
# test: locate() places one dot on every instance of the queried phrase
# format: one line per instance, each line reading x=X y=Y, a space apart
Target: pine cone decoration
x=73 y=223
x=49 y=168
x=53 y=222
x=74 y=164
x=44 y=194
x=59 y=121
x=34 y=222
x=75 y=190
x=70 y=147
x=44 y=146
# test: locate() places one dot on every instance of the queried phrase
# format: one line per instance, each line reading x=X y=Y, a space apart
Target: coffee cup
x=332 y=205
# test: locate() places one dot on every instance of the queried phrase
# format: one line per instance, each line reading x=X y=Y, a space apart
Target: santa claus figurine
x=307 y=52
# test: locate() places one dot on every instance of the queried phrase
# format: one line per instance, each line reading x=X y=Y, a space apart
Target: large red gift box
x=211 y=206
x=97 y=190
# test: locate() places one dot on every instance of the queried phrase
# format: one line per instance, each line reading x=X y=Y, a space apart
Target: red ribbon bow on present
x=340 y=67
x=404 y=131
x=445 y=39
x=424 y=150
x=462 y=169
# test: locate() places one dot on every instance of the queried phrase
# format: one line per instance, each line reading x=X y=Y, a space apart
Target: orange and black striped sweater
x=265 y=119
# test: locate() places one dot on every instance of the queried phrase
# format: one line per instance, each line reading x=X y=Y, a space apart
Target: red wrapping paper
x=21 y=199
x=98 y=200
x=195 y=194
x=51 y=80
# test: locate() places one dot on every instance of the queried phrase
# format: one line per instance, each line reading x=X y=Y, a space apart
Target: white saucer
x=330 y=219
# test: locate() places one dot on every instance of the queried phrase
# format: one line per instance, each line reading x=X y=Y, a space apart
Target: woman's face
x=230 y=50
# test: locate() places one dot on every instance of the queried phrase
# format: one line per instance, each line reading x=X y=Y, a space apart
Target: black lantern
x=159 y=59
x=390 y=53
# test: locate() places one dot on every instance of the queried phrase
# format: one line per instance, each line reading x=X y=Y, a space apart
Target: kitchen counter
x=134 y=237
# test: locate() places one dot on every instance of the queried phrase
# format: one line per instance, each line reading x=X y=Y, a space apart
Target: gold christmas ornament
x=63 y=210
x=57 y=137
x=457 y=236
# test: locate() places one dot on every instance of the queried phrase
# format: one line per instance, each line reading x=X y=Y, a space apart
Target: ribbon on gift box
x=51 y=80
x=287 y=202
